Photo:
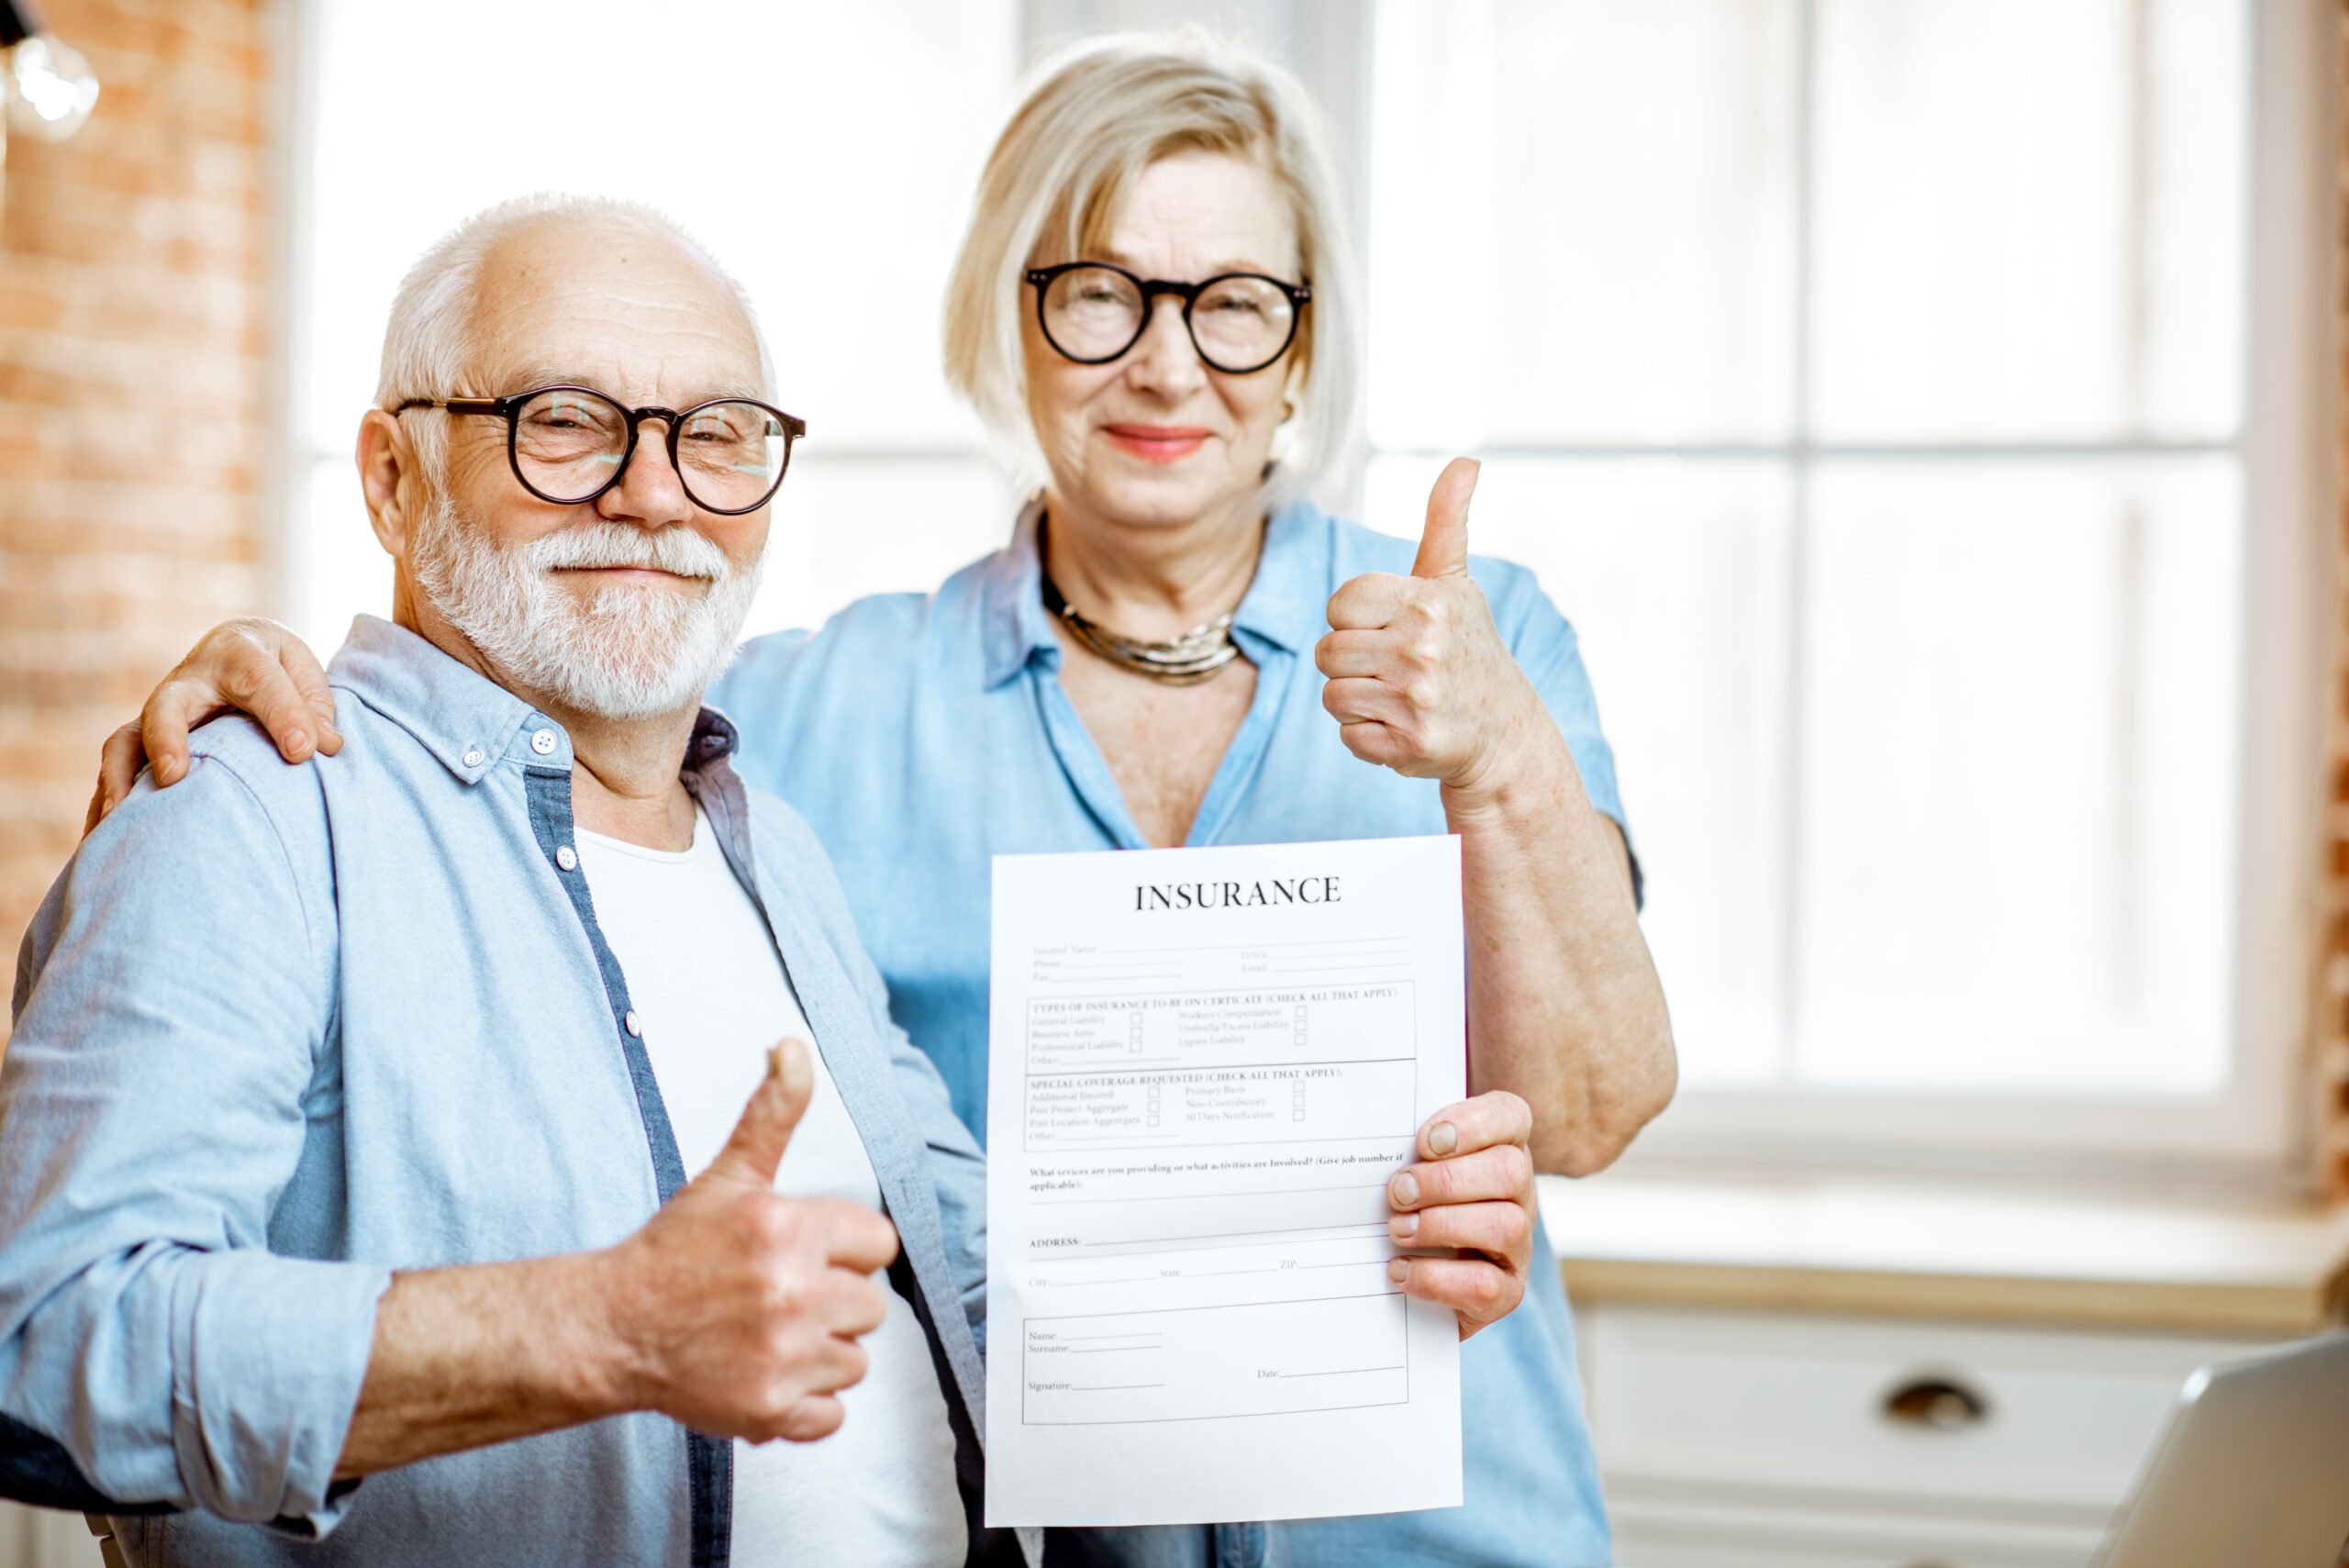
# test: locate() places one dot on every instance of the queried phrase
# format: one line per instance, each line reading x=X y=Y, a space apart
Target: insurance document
x=1203 y=1067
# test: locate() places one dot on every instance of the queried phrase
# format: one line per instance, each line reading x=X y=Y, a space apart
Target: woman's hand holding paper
x=1471 y=1191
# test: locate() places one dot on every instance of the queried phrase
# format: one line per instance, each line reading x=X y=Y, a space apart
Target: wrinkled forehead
x=639 y=316
x=1192 y=207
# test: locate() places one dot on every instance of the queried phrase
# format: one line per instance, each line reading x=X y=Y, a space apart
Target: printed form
x=1203 y=1066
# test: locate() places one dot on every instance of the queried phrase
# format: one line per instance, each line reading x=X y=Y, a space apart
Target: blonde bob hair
x=1094 y=117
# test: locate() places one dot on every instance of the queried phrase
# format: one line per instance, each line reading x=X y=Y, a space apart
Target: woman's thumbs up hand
x=1419 y=679
x=740 y=1308
x=1443 y=542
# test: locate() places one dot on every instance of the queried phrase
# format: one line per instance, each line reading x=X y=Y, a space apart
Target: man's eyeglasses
x=1240 y=322
x=570 y=444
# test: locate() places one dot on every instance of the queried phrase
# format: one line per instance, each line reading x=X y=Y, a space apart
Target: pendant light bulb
x=50 y=88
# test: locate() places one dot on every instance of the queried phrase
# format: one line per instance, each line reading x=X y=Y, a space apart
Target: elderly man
x=346 y=1130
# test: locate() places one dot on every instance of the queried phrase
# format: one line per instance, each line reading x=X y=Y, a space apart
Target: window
x=870 y=122
x=1866 y=380
x=1905 y=399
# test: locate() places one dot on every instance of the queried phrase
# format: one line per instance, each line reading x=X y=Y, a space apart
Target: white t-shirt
x=708 y=988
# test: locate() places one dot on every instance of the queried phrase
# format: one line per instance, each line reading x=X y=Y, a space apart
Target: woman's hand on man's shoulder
x=247 y=666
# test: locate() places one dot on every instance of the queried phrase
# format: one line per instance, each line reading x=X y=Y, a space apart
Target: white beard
x=634 y=651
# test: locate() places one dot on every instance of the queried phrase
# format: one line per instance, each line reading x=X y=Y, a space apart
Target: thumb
x=1444 y=548
x=755 y=1147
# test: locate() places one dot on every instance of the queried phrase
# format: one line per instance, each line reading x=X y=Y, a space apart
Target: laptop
x=2252 y=1469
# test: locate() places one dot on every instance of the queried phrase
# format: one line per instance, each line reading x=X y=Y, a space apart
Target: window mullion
x=1789 y=933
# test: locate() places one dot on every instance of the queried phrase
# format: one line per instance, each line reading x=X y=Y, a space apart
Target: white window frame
x=2258 y=1131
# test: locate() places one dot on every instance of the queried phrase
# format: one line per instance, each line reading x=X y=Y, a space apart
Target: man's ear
x=392 y=479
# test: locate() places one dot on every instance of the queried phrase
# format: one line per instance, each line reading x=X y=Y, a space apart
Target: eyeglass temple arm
x=456 y=405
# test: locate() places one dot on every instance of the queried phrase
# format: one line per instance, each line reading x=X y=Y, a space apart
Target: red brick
x=134 y=279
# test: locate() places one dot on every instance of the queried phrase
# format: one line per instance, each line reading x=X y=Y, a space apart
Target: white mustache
x=673 y=550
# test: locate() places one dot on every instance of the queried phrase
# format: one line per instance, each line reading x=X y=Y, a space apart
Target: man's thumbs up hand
x=1419 y=678
x=754 y=1148
x=738 y=1308
x=1444 y=544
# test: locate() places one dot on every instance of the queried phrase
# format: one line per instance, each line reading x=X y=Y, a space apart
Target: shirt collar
x=1285 y=603
x=1017 y=629
x=463 y=718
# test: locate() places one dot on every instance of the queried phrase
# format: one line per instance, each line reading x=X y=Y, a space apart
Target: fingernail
x=1399 y=1270
x=1403 y=1227
x=297 y=741
x=1405 y=1189
x=1443 y=1138
x=168 y=770
x=107 y=805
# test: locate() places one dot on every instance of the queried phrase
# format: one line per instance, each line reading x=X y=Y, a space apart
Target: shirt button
x=473 y=758
x=542 y=742
x=634 y=1029
x=567 y=858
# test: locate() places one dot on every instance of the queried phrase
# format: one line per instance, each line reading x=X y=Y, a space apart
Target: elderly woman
x=1153 y=306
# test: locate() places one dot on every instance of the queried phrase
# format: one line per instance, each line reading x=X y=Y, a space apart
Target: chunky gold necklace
x=1183 y=661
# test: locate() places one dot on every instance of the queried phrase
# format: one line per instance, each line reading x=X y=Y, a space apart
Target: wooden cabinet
x=1772 y=1440
x=1853 y=1373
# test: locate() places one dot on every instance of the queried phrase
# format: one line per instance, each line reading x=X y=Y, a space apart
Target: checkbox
x=1153 y=1121
x=1300 y=1009
x=1297 y=1116
x=1300 y=1037
x=1135 y=1048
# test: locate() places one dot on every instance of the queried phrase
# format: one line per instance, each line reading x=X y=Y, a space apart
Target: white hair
x=1091 y=120
x=429 y=340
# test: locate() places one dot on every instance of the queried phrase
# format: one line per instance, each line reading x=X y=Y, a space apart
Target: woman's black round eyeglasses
x=570 y=444
x=1093 y=312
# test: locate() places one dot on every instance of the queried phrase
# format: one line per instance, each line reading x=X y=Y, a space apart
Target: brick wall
x=132 y=368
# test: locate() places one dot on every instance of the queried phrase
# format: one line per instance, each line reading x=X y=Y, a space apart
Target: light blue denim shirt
x=920 y=735
x=280 y=1031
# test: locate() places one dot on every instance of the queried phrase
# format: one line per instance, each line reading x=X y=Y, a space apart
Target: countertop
x=1930 y=1250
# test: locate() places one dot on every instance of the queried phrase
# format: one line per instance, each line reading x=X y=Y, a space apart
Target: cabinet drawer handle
x=1937 y=1403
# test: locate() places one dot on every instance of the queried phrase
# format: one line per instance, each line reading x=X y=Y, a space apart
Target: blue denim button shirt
x=280 y=1031
x=920 y=735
